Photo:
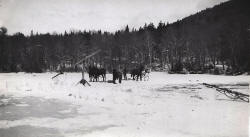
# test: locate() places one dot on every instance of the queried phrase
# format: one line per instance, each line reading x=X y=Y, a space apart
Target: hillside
x=198 y=43
x=221 y=32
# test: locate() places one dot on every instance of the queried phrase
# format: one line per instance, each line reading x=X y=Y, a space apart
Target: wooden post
x=83 y=59
x=83 y=69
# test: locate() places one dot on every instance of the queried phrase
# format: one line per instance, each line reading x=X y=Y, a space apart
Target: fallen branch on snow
x=229 y=93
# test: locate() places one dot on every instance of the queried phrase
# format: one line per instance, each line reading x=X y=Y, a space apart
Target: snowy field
x=168 y=105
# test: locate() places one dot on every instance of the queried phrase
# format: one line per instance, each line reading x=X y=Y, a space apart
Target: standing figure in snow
x=114 y=75
x=145 y=74
x=117 y=75
x=125 y=73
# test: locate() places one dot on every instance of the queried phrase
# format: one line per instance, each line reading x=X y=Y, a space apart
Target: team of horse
x=136 y=74
x=95 y=73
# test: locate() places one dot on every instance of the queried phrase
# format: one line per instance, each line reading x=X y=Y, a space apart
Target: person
x=125 y=73
x=146 y=74
x=114 y=75
x=117 y=75
x=141 y=68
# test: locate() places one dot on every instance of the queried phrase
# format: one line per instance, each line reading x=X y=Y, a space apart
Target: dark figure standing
x=114 y=75
x=125 y=73
x=141 y=68
x=117 y=75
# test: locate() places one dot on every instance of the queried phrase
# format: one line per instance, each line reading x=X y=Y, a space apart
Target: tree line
x=214 y=38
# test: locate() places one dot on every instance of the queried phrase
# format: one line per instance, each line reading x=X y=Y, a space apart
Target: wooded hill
x=219 y=36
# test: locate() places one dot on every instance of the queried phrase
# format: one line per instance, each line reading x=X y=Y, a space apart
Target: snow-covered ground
x=168 y=105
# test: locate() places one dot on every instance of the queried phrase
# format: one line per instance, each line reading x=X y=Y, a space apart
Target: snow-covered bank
x=166 y=105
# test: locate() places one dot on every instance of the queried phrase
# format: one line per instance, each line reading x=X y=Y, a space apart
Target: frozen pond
x=12 y=109
x=166 y=105
x=22 y=117
x=18 y=108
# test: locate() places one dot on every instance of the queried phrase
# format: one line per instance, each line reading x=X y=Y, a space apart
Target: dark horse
x=95 y=73
x=102 y=73
x=137 y=73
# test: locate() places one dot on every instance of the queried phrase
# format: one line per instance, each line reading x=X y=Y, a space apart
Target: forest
x=215 y=40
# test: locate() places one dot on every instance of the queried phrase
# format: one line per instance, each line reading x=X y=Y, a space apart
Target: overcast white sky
x=59 y=15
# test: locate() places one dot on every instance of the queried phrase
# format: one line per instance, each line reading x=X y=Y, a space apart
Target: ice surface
x=169 y=105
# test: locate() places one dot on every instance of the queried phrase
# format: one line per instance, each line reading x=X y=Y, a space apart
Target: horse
x=102 y=73
x=91 y=73
x=137 y=73
x=95 y=73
